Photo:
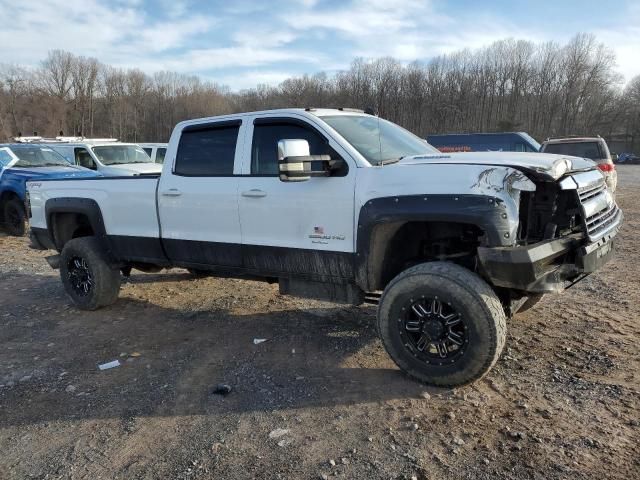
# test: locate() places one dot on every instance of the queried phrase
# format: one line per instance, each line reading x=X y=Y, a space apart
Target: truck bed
x=128 y=204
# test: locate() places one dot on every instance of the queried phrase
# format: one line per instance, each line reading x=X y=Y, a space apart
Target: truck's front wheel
x=86 y=274
x=15 y=217
x=442 y=324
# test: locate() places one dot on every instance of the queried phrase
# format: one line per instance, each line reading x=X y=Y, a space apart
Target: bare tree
x=545 y=89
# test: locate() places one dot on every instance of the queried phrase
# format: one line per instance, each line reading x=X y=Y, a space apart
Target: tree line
x=545 y=89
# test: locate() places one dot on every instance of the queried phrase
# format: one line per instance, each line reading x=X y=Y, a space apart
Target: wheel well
x=67 y=226
x=397 y=246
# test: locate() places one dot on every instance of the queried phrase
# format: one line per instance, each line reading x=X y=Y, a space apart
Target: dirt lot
x=561 y=403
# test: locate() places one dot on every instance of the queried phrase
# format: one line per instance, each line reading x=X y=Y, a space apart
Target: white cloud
x=407 y=30
x=263 y=36
x=124 y=36
x=625 y=42
x=252 y=78
x=111 y=34
x=220 y=58
x=363 y=18
x=267 y=41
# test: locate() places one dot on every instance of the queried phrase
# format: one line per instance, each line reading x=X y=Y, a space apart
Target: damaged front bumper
x=548 y=266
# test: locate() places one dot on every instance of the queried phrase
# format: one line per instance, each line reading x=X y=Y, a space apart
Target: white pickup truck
x=108 y=157
x=347 y=207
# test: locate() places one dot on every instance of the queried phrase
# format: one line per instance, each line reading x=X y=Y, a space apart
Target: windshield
x=378 y=140
x=590 y=150
x=120 y=154
x=37 y=156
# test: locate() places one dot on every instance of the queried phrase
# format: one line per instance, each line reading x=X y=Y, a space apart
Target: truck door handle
x=254 y=193
x=172 y=192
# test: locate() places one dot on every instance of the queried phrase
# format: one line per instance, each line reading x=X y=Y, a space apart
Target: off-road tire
x=105 y=278
x=15 y=218
x=531 y=302
x=479 y=308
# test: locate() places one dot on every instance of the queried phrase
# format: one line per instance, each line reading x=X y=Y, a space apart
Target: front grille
x=599 y=210
x=590 y=192
x=602 y=220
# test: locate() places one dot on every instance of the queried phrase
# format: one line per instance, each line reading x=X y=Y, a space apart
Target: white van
x=156 y=151
x=108 y=157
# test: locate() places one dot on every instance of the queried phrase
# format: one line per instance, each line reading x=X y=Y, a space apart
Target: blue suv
x=21 y=162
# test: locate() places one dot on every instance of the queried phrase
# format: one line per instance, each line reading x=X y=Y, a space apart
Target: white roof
x=304 y=112
x=95 y=143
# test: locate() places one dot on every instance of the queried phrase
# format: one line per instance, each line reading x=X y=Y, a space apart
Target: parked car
x=156 y=151
x=593 y=148
x=22 y=162
x=110 y=158
x=484 y=142
x=628 y=159
x=346 y=207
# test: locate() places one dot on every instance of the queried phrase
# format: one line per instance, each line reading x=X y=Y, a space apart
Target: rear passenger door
x=197 y=197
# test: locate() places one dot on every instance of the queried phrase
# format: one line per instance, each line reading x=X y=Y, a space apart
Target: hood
x=544 y=165
x=130 y=169
x=71 y=171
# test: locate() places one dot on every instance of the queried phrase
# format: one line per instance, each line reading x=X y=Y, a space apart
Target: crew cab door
x=294 y=227
x=197 y=196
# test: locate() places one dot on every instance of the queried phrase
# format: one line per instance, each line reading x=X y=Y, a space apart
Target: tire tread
x=106 y=277
x=471 y=283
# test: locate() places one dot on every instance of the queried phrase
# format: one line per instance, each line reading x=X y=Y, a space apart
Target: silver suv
x=593 y=148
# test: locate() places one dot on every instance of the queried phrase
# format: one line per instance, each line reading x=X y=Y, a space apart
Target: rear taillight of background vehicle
x=606 y=167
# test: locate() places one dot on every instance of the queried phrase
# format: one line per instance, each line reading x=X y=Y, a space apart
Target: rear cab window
x=207 y=150
x=590 y=150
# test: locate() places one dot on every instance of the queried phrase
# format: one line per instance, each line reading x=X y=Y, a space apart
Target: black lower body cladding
x=545 y=266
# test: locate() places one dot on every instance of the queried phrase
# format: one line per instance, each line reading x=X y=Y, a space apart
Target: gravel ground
x=319 y=398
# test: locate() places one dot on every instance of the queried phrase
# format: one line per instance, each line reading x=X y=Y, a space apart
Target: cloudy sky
x=242 y=43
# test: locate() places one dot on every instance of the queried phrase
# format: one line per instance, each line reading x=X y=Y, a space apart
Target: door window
x=148 y=150
x=206 y=151
x=160 y=153
x=264 y=151
x=83 y=158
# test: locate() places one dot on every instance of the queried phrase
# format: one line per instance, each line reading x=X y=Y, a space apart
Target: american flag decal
x=318 y=230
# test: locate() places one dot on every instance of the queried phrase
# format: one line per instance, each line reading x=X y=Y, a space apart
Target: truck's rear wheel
x=442 y=324
x=15 y=218
x=86 y=274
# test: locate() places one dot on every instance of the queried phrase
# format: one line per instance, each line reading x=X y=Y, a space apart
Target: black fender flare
x=84 y=206
x=486 y=212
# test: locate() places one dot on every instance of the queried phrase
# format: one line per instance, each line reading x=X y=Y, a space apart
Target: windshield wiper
x=127 y=163
x=389 y=161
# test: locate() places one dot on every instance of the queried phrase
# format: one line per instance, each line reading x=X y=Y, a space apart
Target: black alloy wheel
x=80 y=277
x=435 y=332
